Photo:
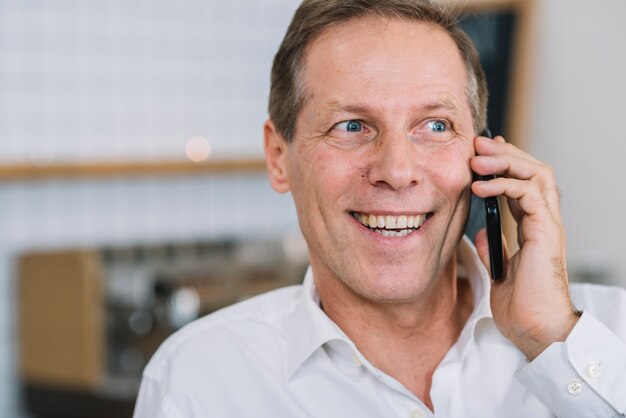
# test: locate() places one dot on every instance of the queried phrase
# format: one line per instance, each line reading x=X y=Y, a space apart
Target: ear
x=275 y=157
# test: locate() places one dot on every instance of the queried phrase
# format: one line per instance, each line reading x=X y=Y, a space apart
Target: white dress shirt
x=279 y=355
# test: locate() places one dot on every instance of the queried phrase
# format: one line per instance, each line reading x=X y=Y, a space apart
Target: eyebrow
x=335 y=107
x=441 y=105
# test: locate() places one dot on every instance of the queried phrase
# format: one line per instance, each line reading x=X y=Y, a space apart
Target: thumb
x=482 y=246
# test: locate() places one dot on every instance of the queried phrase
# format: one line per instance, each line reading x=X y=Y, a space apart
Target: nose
x=395 y=163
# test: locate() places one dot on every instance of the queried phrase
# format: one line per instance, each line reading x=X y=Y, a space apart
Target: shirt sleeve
x=585 y=376
x=153 y=402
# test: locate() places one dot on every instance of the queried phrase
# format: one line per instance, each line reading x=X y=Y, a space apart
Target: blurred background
x=133 y=197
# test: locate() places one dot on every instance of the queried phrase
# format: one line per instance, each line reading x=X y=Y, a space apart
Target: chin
x=391 y=285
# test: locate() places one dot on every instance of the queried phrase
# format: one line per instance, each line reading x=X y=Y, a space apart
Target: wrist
x=534 y=340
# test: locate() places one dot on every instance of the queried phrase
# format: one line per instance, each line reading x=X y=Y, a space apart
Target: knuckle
x=509 y=147
x=547 y=172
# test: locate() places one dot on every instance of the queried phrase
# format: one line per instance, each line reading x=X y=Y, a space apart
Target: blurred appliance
x=90 y=319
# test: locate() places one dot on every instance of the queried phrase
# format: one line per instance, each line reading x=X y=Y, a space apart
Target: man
x=375 y=109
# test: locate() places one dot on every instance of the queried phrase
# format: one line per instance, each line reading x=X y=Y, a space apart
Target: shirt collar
x=480 y=283
x=478 y=277
x=310 y=328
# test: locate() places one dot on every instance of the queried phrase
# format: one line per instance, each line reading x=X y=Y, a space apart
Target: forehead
x=385 y=59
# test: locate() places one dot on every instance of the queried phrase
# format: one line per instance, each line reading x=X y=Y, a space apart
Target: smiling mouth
x=391 y=226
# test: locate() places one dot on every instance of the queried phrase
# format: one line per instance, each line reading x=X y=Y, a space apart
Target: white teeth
x=391 y=226
x=390 y=233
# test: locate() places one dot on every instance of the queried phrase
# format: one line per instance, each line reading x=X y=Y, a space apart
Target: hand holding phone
x=532 y=306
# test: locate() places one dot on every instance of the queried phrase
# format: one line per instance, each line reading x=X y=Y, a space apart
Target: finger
x=541 y=196
x=505 y=250
x=511 y=166
x=528 y=196
x=515 y=208
x=506 y=256
x=486 y=146
x=521 y=169
x=482 y=247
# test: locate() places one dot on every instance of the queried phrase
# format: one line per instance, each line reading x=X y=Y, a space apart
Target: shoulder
x=596 y=296
x=606 y=303
x=253 y=329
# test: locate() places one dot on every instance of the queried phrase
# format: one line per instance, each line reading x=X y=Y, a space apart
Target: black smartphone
x=494 y=230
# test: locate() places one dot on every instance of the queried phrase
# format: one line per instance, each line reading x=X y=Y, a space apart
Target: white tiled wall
x=90 y=80
x=115 y=78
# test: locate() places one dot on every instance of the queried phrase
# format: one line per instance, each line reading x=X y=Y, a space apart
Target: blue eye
x=351 y=126
x=438 y=126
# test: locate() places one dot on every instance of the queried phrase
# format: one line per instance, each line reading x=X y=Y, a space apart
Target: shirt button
x=356 y=360
x=575 y=388
x=417 y=413
x=594 y=370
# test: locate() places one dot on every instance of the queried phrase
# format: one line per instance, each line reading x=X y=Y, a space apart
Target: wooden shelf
x=21 y=172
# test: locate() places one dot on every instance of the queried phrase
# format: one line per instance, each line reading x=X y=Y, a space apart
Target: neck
x=406 y=340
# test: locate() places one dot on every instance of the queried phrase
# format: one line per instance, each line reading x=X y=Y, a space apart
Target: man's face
x=379 y=165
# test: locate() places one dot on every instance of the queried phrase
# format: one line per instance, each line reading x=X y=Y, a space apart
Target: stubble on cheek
x=327 y=186
x=453 y=177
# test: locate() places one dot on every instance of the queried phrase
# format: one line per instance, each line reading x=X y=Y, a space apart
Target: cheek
x=320 y=176
x=327 y=167
x=451 y=170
